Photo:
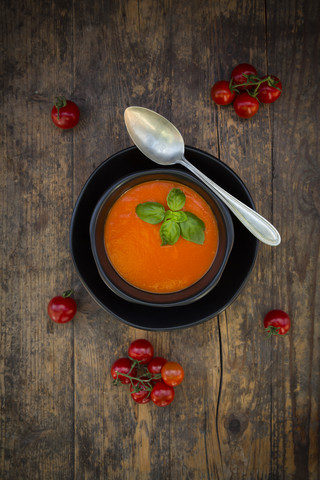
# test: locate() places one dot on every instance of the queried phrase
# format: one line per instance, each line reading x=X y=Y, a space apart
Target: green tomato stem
x=146 y=382
x=60 y=102
x=250 y=83
x=67 y=293
x=156 y=376
x=271 y=331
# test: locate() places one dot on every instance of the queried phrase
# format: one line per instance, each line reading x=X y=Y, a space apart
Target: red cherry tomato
x=123 y=365
x=162 y=394
x=65 y=113
x=269 y=93
x=63 y=308
x=155 y=365
x=239 y=71
x=141 y=350
x=142 y=395
x=277 y=322
x=172 y=373
x=221 y=93
x=245 y=106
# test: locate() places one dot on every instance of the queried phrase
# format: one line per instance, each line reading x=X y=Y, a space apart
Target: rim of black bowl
x=139 y=316
x=133 y=294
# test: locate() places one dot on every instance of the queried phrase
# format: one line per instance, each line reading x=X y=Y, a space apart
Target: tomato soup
x=134 y=246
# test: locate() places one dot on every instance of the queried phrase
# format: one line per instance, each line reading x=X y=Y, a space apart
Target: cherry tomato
x=245 y=106
x=123 y=365
x=162 y=394
x=141 y=350
x=142 y=395
x=221 y=93
x=277 y=322
x=63 y=308
x=155 y=365
x=172 y=373
x=65 y=113
x=239 y=71
x=270 y=93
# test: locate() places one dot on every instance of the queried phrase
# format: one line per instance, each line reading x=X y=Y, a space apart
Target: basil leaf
x=193 y=229
x=176 y=199
x=176 y=216
x=169 y=232
x=150 y=212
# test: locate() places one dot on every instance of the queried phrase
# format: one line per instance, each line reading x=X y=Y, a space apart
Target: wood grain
x=37 y=359
x=249 y=406
x=295 y=419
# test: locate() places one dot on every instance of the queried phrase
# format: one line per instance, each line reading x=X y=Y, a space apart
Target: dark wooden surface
x=249 y=407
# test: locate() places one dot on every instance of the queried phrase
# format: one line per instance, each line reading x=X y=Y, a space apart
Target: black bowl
x=133 y=294
x=232 y=282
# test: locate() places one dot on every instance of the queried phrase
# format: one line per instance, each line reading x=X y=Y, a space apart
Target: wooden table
x=249 y=406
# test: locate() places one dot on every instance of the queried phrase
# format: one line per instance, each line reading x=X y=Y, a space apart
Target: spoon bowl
x=154 y=135
x=160 y=141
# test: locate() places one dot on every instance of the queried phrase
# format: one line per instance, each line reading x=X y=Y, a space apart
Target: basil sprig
x=175 y=221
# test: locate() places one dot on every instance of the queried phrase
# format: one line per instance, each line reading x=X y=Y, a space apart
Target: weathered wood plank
x=294 y=46
x=36 y=181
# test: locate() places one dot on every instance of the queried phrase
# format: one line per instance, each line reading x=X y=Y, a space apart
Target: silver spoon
x=161 y=141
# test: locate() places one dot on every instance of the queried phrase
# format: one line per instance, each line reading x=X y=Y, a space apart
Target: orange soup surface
x=134 y=246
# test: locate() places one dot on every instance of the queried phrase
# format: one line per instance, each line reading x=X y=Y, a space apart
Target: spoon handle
x=253 y=221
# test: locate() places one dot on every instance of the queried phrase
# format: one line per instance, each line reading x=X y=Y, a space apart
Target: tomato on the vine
x=246 y=90
x=150 y=378
x=162 y=394
x=270 y=90
x=65 y=113
x=155 y=365
x=277 y=322
x=172 y=373
x=238 y=73
x=245 y=105
x=141 y=350
x=62 y=309
x=221 y=93
x=139 y=392
x=123 y=365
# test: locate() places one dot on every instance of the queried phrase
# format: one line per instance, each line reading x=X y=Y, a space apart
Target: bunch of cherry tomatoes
x=246 y=90
x=150 y=378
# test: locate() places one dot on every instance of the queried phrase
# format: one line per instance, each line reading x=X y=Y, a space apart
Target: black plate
x=237 y=271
